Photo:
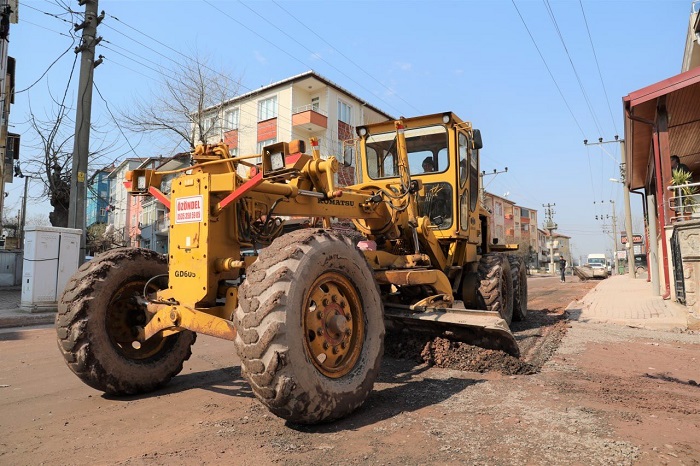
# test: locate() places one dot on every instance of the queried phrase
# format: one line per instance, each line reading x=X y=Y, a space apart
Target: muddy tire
x=310 y=327
x=518 y=273
x=96 y=320
x=496 y=285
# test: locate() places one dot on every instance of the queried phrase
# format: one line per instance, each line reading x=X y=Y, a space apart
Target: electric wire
x=48 y=69
x=24 y=4
x=284 y=51
x=548 y=69
x=24 y=21
x=314 y=53
x=597 y=64
x=568 y=55
x=325 y=142
x=359 y=67
x=114 y=119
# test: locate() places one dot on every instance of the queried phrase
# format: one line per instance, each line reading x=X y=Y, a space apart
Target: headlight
x=276 y=161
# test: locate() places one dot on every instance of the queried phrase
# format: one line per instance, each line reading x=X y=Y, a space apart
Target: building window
x=103 y=212
x=264 y=143
x=231 y=119
x=499 y=208
x=267 y=109
x=315 y=103
x=344 y=112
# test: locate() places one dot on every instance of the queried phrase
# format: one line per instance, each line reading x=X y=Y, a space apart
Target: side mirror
x=348 y=155
x=478 y=144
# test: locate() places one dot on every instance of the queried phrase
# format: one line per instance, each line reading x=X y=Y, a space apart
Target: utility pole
x=614 y=229
x=494 y=173
x=550 y=226
x=81 y=146
x=626 y=193
x=24 y=210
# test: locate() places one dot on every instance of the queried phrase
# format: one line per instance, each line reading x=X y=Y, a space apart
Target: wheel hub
x=333 y=325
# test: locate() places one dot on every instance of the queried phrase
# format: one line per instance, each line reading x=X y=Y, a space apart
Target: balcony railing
x=306 y=108
x=685 y=201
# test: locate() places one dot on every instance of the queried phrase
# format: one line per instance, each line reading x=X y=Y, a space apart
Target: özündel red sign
x=189 y=209
x=636 y=239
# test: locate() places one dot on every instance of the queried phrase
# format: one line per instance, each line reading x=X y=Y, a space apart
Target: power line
x=24 y=21
x=284 y=51
x=578 y=78
x=24 y=4
x=114 y=119
x=607 y=99
x=359 y=67
x=548 y=70
x=47 y=69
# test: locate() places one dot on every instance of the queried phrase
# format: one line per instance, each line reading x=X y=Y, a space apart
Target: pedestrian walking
x=562 y=267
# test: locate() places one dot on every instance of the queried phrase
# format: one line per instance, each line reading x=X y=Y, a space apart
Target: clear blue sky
x=475 y=58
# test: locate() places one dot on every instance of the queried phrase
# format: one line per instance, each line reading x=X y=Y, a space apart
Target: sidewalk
x=12 y=316
x=623 y=300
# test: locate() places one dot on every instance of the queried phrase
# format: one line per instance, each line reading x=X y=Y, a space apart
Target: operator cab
x=448 y=180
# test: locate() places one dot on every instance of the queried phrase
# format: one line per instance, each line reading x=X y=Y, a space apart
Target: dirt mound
x=444 y=353
x=447 y=354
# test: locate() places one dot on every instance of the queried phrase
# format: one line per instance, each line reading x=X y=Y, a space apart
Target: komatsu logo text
x=337 y=202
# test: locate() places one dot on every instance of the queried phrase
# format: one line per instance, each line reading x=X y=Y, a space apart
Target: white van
x=597 y=261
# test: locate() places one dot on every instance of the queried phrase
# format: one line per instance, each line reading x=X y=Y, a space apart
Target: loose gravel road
x=582 y=393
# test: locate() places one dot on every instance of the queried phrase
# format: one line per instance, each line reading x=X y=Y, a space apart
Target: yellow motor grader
x=306 y=308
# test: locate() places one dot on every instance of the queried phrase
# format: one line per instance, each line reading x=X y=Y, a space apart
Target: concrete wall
x=689 y=240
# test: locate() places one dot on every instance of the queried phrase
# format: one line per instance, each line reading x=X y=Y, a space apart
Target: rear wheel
x=496 y=285
x=518 y=273
x=97 y=320
x=310 y=327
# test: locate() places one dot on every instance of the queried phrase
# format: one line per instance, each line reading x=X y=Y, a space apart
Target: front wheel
x=496 y=285
x=518 y=273
x=310 y=327
x=97 y=320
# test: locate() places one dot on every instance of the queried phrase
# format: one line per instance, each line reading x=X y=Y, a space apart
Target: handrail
x=683 y=204
x=305 y=108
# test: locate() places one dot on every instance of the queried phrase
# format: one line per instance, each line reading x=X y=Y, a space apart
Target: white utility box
x=51 y=256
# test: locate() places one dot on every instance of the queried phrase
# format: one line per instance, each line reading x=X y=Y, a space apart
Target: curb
x=27 y=320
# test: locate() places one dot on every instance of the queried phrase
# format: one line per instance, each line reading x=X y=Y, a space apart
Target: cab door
x=468 y=181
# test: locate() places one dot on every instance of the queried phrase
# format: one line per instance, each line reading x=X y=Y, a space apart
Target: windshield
x=427 y=152
x=596 y=262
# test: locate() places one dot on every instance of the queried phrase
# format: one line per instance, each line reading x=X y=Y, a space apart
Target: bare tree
x=38 y=220
x=53 y=143
x=53 y=165
x=188 y=106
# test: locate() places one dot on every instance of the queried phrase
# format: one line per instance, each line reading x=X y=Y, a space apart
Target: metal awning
x=682 y=99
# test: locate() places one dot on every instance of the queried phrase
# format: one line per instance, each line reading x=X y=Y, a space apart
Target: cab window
x=463 y=159
x=422 y=144
x=473 y=177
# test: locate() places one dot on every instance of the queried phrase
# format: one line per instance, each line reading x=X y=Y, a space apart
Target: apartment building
x=119 y=210
x=299 y=107
x=513 y=224
x=97 y=202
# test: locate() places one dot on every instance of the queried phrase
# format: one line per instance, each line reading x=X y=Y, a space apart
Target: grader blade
x=479 y=328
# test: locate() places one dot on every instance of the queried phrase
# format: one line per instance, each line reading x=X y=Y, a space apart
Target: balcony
x=306 y=118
